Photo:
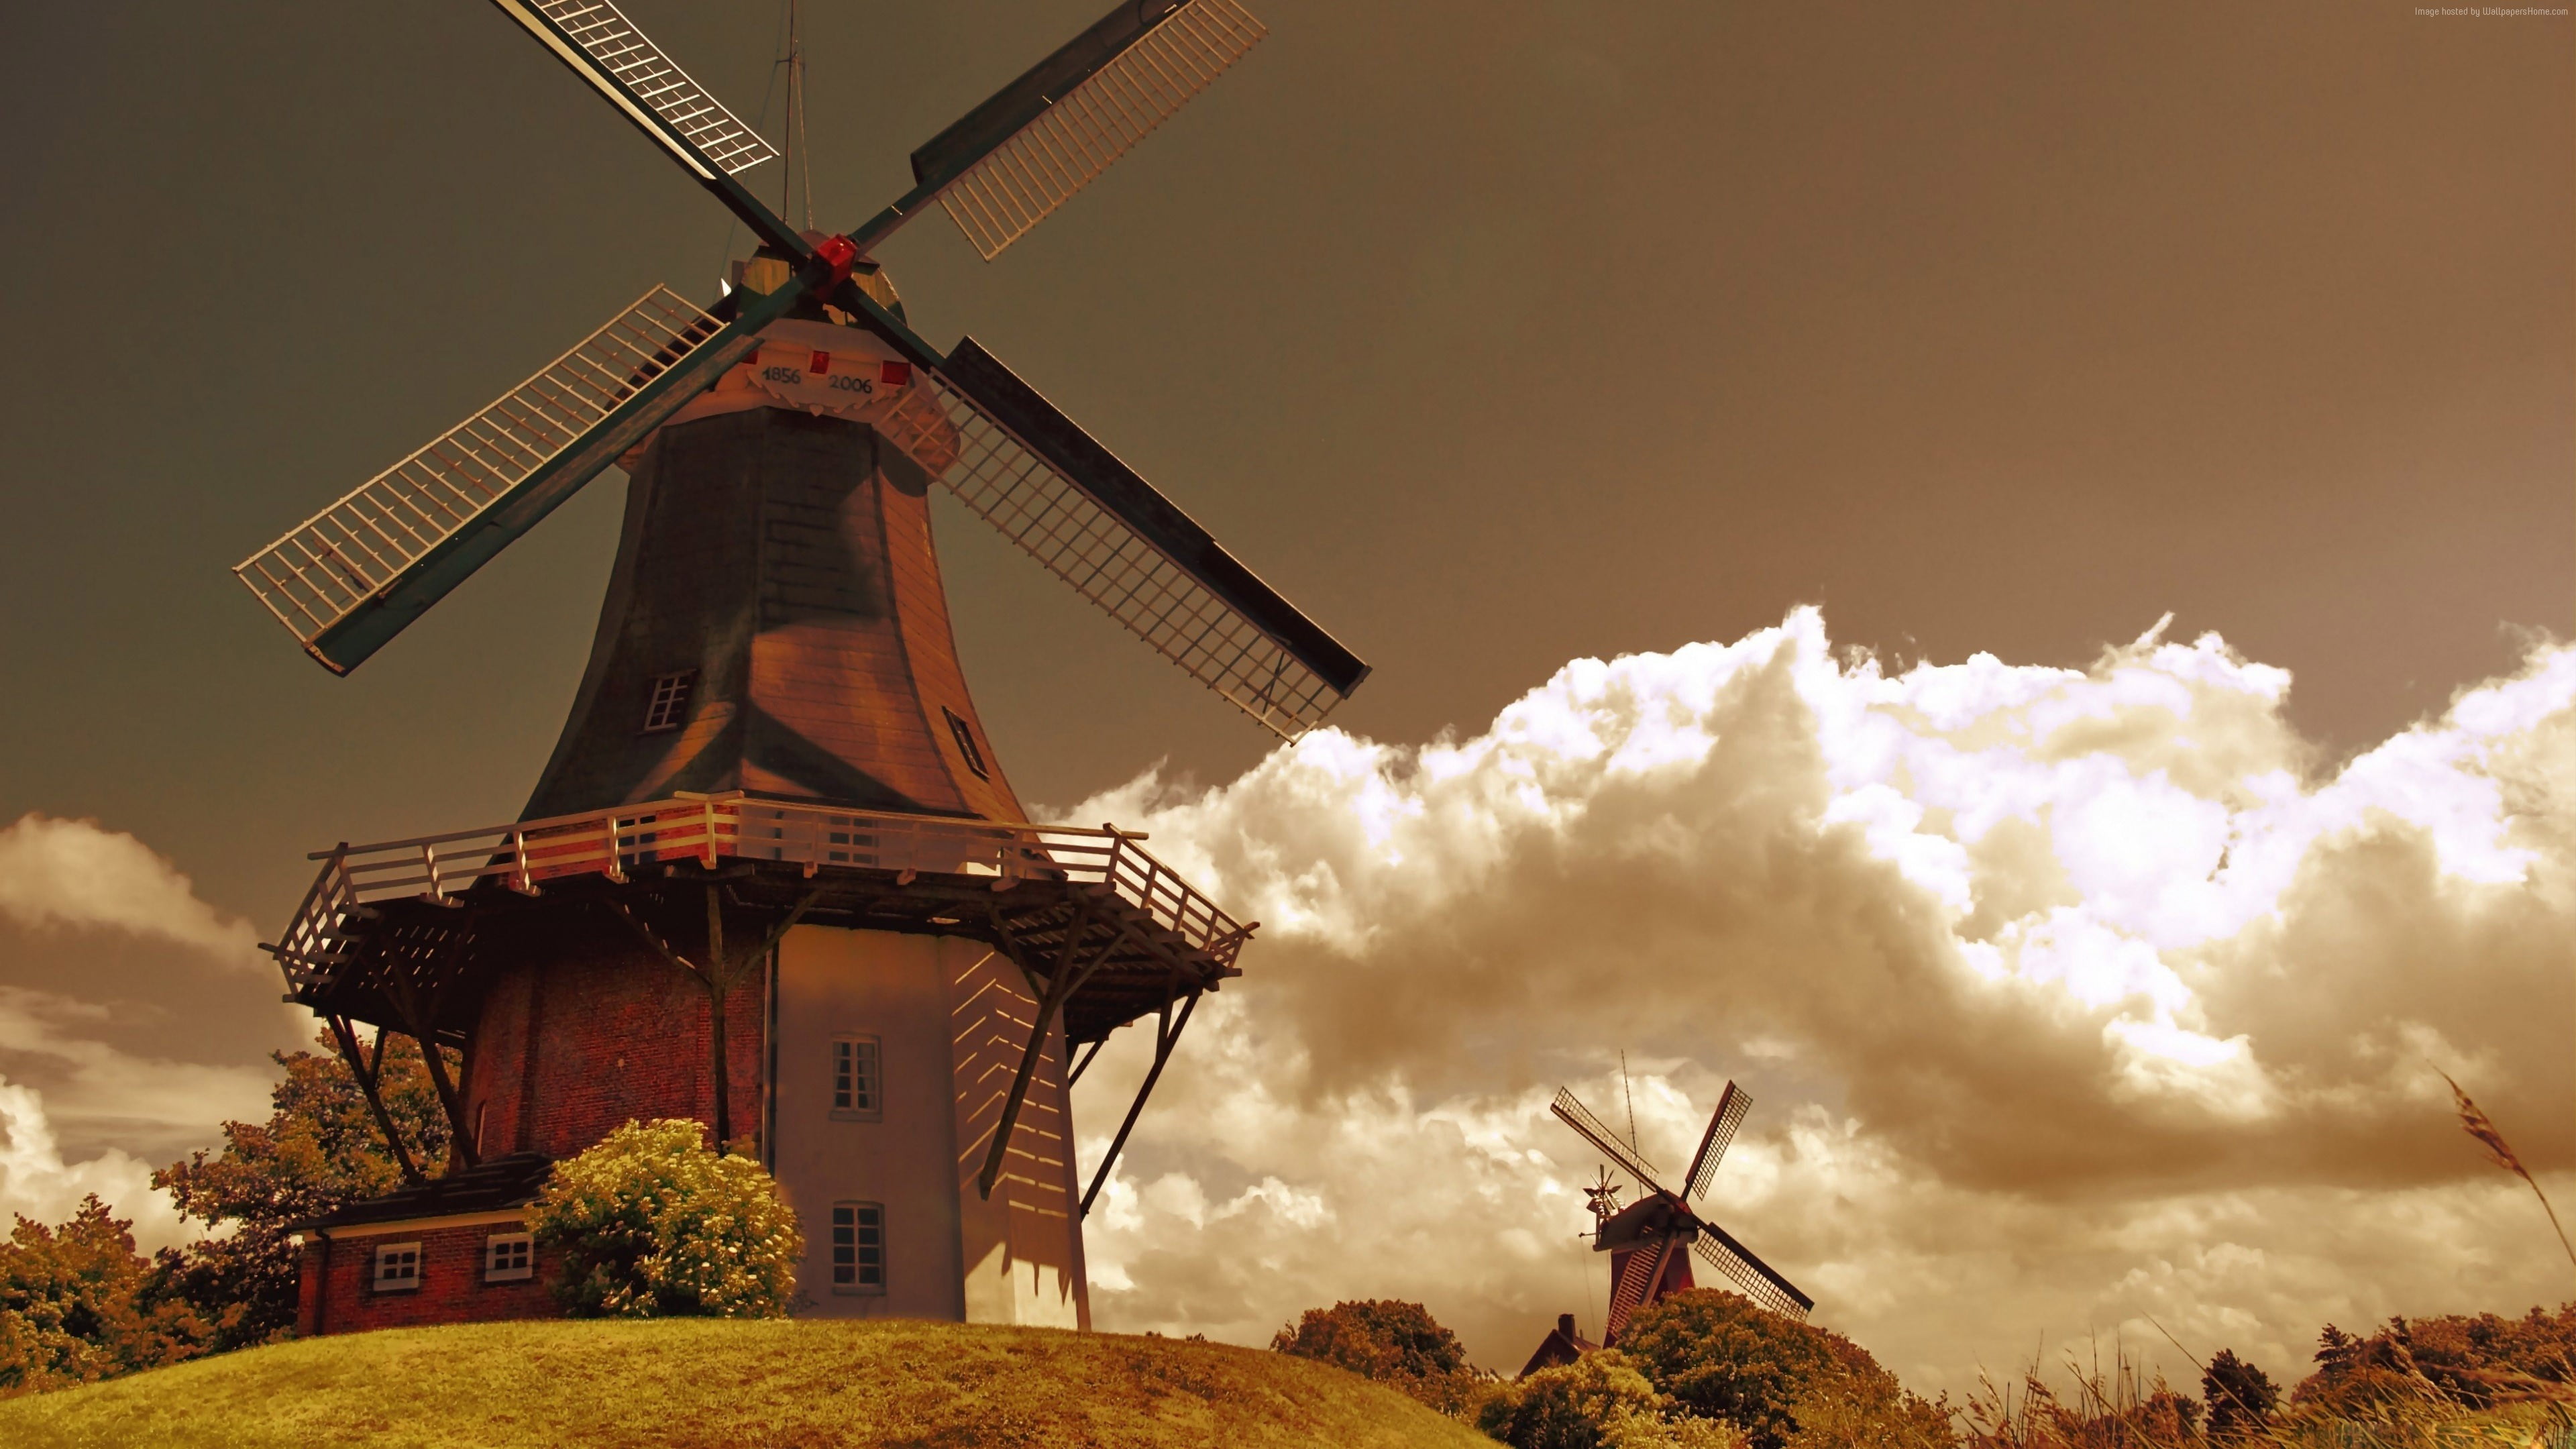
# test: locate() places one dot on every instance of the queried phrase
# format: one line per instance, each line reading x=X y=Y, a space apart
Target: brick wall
x=573 y=1047
x=451 y=1288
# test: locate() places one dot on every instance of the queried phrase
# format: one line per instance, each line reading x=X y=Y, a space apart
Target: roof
x=1561 y=1346
x=503 y=1182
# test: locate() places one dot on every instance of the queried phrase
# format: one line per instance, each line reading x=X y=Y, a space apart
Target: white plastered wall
x=952 y=1020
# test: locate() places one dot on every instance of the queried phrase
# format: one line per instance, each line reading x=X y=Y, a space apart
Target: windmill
x=1651 y=1241
x=773 y=875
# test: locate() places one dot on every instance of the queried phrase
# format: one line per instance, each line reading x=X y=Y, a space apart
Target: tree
x=322 y=1148
x=1719 y=1356
x=1398 y=1344
x=2239 y=1395
x=651 y=1223
x=78 y=1304
x=1599 y=1401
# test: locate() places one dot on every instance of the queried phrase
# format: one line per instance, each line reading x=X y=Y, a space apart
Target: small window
x=508 y=1257
x=669 y=707
x=857 y=1084
x=397 y=1267
x=858 y=1247
x=966 y=743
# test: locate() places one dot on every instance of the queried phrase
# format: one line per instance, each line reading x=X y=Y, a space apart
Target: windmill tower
x=1651 y=1241
x=773 y=875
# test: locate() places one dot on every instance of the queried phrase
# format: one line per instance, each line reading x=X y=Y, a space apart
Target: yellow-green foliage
x=1721 y=1357
x=1396 y=1343
x=710 y=1384
x=1599 y=1401
x=651 y=1224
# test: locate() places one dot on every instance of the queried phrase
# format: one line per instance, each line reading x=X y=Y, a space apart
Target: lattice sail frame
x=1028 y=501
x=1721 y=1130
x=325 y=568
x=998 y=199
x=608 y=37
x=1750 y=1274
x=1570 y=1110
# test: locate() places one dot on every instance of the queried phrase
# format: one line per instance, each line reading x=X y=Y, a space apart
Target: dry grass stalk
x=2500 y=1152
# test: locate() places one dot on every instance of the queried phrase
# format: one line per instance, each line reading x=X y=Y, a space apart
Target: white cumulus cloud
x=76 y=873
x=2067 y=997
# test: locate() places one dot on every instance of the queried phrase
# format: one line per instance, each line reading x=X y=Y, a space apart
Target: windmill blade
x=1049 y=487
x=598 y=43
x=1013 y=160
x=354 y=575
x=1759 y=1282
x=1574 y=1114
x=1732 y=1104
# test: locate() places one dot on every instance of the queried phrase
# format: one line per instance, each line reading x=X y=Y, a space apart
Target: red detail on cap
x=841 y=253
x=819 y=364
x=895 y=374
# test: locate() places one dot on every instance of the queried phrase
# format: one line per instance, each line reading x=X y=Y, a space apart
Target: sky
x=1993 y=574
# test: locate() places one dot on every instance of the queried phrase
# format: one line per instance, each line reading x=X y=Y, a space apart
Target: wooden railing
x=709 y=828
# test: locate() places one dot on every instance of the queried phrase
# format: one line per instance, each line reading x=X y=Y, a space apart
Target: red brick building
x=454 y=1250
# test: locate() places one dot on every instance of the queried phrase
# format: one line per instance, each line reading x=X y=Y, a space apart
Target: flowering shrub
x=652 y=1224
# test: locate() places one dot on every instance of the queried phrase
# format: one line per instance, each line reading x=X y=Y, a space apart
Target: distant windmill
x=1646 y=1239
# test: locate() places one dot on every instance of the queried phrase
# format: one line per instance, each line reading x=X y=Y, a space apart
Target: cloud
x=74 y=873
x=2066 y=996
x=36 y=1183
x=158 y=1107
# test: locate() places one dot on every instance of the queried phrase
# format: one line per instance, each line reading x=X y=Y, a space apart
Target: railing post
x=707 y=855
x=616 y=868
x=429 y=865
x=520 y=881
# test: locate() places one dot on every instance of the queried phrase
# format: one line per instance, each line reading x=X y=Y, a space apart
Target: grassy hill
x=681 y=1384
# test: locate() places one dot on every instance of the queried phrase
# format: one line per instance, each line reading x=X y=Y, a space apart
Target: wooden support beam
x=369 y=1077
x=1167 y=1034
x=1062 y=985
x=1085 y=1064
x=420 y=1023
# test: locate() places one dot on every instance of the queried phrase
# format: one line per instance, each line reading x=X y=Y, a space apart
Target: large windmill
x=1650 y=1241
x=773 y=875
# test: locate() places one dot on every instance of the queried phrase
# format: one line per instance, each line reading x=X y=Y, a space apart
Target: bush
x=1599 y=1401
x=652 y=1224
x=1720 y=1357
x=1397 y=1344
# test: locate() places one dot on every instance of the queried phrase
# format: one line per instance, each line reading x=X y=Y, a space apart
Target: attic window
x=669 y=707
x=965 y=738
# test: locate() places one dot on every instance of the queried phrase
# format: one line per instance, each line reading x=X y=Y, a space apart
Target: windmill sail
x=596 y=41
x=354 y=575
x=1048 y=486
x=1010 y=162
x=1764 y=1286
x=1574 y=1114
x=1731 y=1107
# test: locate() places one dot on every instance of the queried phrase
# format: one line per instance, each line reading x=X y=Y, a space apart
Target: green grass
x=680 y=1384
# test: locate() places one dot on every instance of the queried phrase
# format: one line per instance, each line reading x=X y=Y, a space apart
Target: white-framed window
x=858 y=1077
x=858 y=1247
x=509 y=1257
x=668 y=708
x=397 y=1267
